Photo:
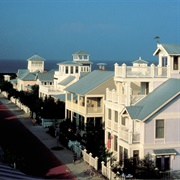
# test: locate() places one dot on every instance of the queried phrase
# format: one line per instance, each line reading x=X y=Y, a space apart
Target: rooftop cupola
x=140 y=63
x=81 y=56
x=35 y=63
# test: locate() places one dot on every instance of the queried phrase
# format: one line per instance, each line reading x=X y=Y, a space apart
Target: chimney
x=102 y=66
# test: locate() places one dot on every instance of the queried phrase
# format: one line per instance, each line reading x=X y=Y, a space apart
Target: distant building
x=68 y=73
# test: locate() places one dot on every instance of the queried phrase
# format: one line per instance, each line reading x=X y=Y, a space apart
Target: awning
x=164 y=152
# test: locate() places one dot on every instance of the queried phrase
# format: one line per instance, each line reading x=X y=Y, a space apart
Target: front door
x=163 y=162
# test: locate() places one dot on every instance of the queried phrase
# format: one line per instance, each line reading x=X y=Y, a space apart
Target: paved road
x=39 y=159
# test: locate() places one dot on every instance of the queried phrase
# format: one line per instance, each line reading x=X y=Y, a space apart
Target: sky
x=106 y=29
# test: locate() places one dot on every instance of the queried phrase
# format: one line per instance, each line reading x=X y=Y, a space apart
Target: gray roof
x=6 y=172
x=155 y=100
x=90 y=82
x=67 y=80
x=172 y=48
x=61 y=97
x=164 y=151
x=25 y=75
x=70 y=63
x=46 y=76
x=36 y=58
x=81 y=52
x=140 y=61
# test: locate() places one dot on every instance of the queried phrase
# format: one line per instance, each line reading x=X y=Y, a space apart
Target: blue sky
x=107 y=29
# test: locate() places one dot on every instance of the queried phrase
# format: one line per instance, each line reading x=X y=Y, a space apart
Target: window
x=116 y=116
x=123 y=120
x=164 y=61
x=175 y=64
x=76 y=69
x=115 y=143
x=66 y=69
x=72 y=69
x=109 y=114
x=160 y=128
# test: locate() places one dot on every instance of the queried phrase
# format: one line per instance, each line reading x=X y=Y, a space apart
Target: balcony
x=114 y=97
x=128 y=136
x=141 y=72
x=80 y=108
x=48 y=90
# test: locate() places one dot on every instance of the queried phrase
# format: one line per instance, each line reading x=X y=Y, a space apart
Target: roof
x=155 y=100
x=46 y=76
x=70 y=63
x=165 y=151
x=172 y=49
x=140 y=61
x=81 y=52
x=6 y=172
x=25 y=75
x=61 y=97
x=36 y=58
x=90 y=82
x=66 y=80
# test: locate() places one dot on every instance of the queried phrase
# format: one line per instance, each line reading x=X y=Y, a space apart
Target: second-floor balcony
x=114 y=97
x=80 y=107
x=49 y=89
x=128 y=136
x=141 y=72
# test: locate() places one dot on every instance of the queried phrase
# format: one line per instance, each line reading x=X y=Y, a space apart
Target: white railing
x=149 y=71
x=129 y=136
x=89 y=159
x=78 y=107
x=113 y=96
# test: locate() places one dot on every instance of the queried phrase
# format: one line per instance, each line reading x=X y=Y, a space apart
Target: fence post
x=96 y=163
x=90 y=159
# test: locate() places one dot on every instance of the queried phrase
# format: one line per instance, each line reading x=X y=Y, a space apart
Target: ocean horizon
x=12 y=66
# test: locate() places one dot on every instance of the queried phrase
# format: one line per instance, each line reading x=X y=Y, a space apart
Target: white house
x=68 y=73
x=151 y=91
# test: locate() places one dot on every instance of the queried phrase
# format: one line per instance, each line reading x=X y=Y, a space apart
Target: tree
x=140 y=169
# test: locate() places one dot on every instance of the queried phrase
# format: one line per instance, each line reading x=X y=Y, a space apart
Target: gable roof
x=81 y=52
x=90 y=82
x=25 y=75
x=67 y=80
x=36 y=58
x=70 y=63
x=46 y=76
x=155 y=100
x=140 y=61
x=171 y=49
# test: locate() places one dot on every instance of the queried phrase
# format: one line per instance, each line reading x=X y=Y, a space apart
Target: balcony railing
x=113 y=96
x=129 y=137
x=148 y=71
x=78 y=107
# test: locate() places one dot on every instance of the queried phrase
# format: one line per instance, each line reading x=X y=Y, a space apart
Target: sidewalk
x=64 y=155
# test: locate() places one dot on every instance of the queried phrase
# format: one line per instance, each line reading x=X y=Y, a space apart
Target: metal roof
x=172 y=48
x=164 y=151
x=90 y=82
x=155 y=100
x=46 y=76
x=61 y=97
x=70 y=63
x=140 y=61
x=36 y=58
x=66 y=80
x=81 y=52
x=6 y=172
